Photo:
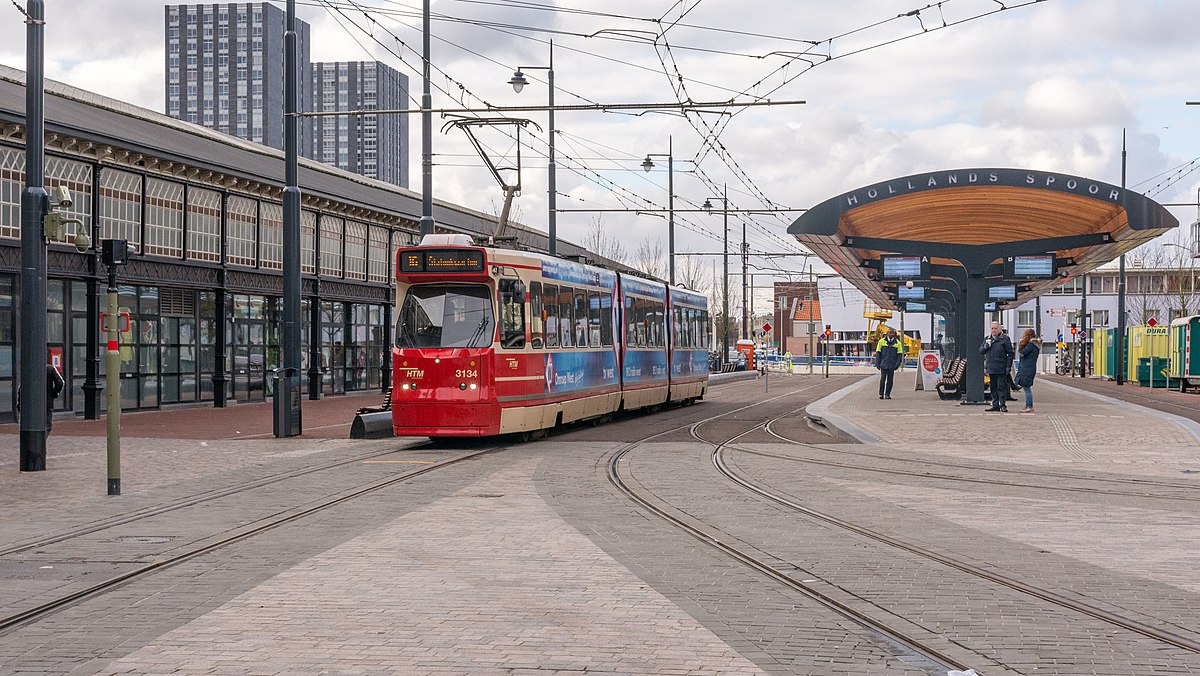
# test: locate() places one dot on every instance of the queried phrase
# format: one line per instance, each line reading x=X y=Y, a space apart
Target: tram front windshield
x=445 y=315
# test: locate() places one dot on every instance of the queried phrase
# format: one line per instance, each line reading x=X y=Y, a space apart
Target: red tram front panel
x=443 y=364
x=444 y=392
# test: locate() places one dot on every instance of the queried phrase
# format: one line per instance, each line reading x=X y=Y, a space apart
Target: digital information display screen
x=915 y=307
x=902 y=267
x=1003 y=292
x=1033 y=266
x=915 y=293
x=442 y=260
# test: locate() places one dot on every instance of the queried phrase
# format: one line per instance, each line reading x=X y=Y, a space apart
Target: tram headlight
x=474 y=386
x=462 y=386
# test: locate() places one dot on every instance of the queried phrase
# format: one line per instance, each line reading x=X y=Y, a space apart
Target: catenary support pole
x=427 y=223
x=291 y=230
x=33 y=251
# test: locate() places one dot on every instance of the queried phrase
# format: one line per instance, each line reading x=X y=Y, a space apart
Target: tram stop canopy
x=966 y=227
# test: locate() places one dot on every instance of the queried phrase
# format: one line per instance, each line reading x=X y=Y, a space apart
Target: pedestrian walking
x=887 y=360
x=1028 y=350
x=997 y=351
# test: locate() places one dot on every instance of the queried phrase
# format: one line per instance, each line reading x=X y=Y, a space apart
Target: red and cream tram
x=496 y=341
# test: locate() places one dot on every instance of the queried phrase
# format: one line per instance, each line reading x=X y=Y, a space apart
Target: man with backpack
x=887 y=359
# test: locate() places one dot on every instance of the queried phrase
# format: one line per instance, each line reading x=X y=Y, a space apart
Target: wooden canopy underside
x=972 y=215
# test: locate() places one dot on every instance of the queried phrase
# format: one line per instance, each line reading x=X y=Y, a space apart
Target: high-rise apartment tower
x=225 y=69
x=371 y=145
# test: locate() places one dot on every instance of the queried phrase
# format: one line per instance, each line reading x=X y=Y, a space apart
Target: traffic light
x=1074 y=330
x=828 y=331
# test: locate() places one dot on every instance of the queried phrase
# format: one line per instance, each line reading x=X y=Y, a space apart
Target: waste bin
x=286 y=405
x=1155 y=367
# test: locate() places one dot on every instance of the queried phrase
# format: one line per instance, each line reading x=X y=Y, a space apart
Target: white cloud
x=1050 y=86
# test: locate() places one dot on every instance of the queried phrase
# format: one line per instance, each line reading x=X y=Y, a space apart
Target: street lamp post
x=518 y=83
x=707 y=206
x=647 y=165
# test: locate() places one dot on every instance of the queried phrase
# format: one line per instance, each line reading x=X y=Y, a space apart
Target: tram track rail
x=1045 y=595
x=918 y=645
x=191 y=501
x=13 y=621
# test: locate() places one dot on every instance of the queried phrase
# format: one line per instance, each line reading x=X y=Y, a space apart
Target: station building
x=203 y=292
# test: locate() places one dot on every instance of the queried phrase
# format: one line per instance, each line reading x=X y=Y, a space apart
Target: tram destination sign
x=442 y=260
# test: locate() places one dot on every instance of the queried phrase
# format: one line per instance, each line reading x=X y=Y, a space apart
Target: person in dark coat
x=887 y=360
x=997 y=353
x=1028 y=350
x=54 y=387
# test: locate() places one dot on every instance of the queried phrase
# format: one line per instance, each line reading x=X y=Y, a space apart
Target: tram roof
x=981 y=214
x=98 y=121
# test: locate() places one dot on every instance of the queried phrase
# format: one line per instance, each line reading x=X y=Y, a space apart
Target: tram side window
x=640 y=306
x=606 y=326
x=537 y=315
x=550 y=303
x=630 y=323
x=512 y=314
x=581 y=319
x=704 y=329
x=594 y=319
x=685 y=327
x=566 y=327
x=654 y=313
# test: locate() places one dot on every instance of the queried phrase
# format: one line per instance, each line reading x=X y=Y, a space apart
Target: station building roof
x=982 y=214
x=89 y=125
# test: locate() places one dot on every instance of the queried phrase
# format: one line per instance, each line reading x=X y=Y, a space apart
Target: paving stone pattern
x=502 y=585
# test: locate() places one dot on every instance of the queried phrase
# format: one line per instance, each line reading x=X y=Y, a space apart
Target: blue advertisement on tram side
x=645 y=366
x=574 y=273
x=573 y=371
x=643 y=288
x=689 y=363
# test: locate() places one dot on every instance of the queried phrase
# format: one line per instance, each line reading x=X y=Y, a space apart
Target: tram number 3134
x=466 y=373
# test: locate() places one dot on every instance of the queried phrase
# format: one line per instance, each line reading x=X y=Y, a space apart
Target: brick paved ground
x=528 y=561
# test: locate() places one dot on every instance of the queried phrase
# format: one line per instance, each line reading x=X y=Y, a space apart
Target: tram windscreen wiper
x=483 y=322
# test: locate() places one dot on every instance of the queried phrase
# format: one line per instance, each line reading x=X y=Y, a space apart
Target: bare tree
x=690 y=272
x=1145 y=298
x=603 y=244
x=732 y=323
x=1180 y=277
x=650 y=257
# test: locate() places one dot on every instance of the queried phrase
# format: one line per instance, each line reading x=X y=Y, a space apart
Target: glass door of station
x=248 y=348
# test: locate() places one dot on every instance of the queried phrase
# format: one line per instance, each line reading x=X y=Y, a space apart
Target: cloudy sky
x=964 y=83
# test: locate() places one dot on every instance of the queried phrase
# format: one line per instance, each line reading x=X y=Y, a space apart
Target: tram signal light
x=828 y=331
x=1074 y=330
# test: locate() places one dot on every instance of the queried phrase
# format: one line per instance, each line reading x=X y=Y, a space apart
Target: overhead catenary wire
x=710 y=133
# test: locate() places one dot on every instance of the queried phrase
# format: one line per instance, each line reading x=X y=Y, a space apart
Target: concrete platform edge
x=820 y=413
x=722 y=378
